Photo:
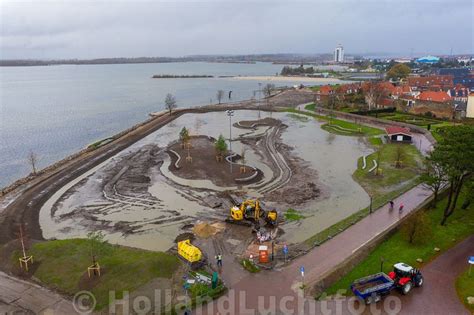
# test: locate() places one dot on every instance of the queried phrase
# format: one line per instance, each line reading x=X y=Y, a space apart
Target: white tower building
x=339 y=54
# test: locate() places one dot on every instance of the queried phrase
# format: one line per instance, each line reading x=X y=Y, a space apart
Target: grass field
x=397 y=249
x=340 y=127
x=391 y=177
x=465 y=287
x=63 y=265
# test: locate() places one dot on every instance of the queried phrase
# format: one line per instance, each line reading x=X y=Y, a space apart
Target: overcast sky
x=91 y=29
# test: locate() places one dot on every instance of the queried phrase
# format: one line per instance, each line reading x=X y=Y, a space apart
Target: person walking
x=391 y=204
x=219 y=260
x=401 y=207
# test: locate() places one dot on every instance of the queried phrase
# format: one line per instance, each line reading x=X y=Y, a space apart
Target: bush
x=249 y=266
x=417 y=229
x=375 y=111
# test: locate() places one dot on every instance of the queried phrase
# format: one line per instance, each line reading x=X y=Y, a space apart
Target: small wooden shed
x=398 y=134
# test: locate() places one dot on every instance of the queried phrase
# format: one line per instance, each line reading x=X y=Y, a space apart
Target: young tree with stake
x=221 y=146
x=33 y=161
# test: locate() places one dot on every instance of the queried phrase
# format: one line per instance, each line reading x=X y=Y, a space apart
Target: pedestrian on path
x=391 y=205
x=401 y=207
x=219 y=260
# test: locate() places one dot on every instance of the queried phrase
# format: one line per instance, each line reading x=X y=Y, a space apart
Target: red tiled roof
x=430 y=81
x=387 y=87
x=386 y=102
x=348 y=88
x=431 y=96
x=326 y=90
x=392 y=130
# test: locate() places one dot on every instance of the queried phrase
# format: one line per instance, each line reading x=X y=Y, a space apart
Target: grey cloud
x=80 y=29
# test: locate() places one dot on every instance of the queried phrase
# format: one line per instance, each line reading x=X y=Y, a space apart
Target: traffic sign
x=471 y=260
x=302 y=271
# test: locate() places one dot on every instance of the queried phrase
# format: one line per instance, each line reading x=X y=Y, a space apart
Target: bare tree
x=219 y=96
x=373 y=94
x=32 y=161
x=399 y=153
x=434 y=176
x=170 y=102
x=268 y=89
x=377 y=168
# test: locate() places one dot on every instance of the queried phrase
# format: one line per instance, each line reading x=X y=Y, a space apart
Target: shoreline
x=287 y=78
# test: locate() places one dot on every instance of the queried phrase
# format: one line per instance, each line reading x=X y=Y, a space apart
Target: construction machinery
x=190 y=254
x=372 y=288
x=250 y=211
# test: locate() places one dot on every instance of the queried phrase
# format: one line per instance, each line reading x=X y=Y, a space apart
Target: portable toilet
x=263 y=254
x=188 y=251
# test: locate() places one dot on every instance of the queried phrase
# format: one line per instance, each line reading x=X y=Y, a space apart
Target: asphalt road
x=438 y=294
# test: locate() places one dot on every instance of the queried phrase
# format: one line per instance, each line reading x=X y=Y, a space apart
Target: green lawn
x=397 y=249
x=465 y=287
x=293 y=215
x=311 y=106
x=62 y=264
x=391 y=177
x=417 y=120
x=339 y=126
x=375 y=141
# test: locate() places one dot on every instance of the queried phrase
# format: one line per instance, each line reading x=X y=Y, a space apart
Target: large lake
x=57 y=110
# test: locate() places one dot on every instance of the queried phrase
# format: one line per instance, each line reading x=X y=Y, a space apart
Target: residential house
x=432 y=96
x=459 y=93
x=464 y=76
x=431 y=83
x=323 y=93
x=470 y=106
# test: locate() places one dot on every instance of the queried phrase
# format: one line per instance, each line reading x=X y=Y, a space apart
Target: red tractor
x=405 y=277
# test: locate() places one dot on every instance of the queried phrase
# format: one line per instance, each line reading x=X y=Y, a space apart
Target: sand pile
x=205 y=230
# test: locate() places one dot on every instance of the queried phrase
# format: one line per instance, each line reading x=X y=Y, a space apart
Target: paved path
x=438 y=294
x=283 y=284
x=22 y=297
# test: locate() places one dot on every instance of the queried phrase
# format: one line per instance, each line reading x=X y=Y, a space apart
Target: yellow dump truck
x=189 y=252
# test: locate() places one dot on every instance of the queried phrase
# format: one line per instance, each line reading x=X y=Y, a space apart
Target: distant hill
x=275 y=58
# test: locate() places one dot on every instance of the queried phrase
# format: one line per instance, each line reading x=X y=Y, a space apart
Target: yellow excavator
x=250 y=210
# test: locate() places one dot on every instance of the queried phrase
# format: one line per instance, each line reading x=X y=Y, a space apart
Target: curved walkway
x=438 y=294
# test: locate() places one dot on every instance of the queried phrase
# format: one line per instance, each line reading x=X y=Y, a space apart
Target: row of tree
x=451 y=165
x=287 y=70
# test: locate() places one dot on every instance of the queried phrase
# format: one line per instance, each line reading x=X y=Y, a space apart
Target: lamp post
x=259 y=98
x=370 y=206
x=230 y=113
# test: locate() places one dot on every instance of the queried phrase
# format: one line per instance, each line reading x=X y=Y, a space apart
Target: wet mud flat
x=140 y=199
x=198 y=159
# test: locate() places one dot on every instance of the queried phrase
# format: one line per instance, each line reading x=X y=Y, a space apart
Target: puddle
x=333 y=157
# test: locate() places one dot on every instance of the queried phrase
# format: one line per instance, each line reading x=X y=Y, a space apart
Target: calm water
x=57 y=110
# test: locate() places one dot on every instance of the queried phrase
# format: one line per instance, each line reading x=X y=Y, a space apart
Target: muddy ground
x=22 y=201
x=198 y=159
x=125 y=184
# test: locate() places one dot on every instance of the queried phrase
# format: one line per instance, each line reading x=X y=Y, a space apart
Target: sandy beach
x=288 y=78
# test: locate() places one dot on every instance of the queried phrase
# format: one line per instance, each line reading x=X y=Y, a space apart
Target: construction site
x=163 y=189
x=245 y=186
